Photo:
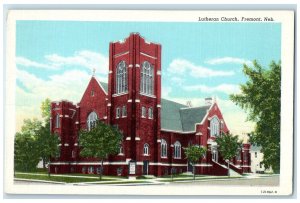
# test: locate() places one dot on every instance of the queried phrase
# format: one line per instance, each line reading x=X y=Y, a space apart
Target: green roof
x=191 y=116
x=170 y=115
x=175 y=116
x=104 y=85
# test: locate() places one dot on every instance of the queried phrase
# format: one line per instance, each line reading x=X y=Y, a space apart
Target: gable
x=191 y=116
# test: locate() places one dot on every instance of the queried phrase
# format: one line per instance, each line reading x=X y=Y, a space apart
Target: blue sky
x=198 y=59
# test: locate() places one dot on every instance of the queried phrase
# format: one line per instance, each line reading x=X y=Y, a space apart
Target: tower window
x=91 y=120
x=121 y=78
x=92 y=93
x=57 y=121
x=124 y=111
x=143 y=112
x=147 y=79
x=118 y=112
x=146 y=149
x=150 y=113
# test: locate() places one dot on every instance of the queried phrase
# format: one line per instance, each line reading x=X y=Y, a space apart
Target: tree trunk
x=194 y=171
x=101 y=170
x=228 y=173
x=49 y=167
x=44 y=163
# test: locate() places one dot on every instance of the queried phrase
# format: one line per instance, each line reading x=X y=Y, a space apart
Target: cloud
x=86 y=59
x=217 y=61
x=69 y=85
x=224 y=88
x=29 y=63
x=181 y=66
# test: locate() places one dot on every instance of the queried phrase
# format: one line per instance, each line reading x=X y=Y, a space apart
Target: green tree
x=47 y=142
x=193 y=153
x=100 y=142
x=26 y=152
x=260 y=97
x=46 y=110
x=228 y=146
x=35 y=140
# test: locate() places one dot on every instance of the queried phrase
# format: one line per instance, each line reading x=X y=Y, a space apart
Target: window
x=91 y=169
x=146 y=149
x=118 y=112
x=147 y=78
x=143 y=112
x=121 y=78
x=91 y=120
x=92 y=93
x=124 y=111
x=163 y=148
x=177 y=150
x=121 y=151
x=150 y=113
x=83 y=169
x=214 y=127
x=57 y=121
x=255 y=154
x=73 y=154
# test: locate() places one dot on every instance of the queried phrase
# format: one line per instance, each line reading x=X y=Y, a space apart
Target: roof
x=170 y=115
x=191 y=116
x=255 y=148
x=176 y=116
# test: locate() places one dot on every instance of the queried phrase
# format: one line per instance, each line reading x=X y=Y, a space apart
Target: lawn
x=61 y=178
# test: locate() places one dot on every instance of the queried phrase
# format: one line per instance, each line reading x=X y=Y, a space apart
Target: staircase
x=224 y=170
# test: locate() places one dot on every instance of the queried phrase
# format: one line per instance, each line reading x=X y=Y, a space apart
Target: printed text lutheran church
x=155 y=130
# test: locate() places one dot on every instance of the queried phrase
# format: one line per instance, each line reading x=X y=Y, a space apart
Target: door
x=215 y=155
x=145 y=167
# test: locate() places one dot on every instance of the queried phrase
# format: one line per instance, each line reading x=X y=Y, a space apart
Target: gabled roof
x=170 y=115
x=176 y=116
x=191 y=116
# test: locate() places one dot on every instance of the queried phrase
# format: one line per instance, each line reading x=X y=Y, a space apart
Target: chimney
x=208 y=101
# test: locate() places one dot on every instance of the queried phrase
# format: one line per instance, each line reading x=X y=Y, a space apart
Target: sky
x=55 y=59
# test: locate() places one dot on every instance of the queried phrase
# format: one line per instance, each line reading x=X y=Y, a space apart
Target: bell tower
x=134 y=96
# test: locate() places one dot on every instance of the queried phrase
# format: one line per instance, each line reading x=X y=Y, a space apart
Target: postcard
x=149 y=102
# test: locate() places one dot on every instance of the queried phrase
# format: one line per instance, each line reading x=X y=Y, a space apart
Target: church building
x=155 y=130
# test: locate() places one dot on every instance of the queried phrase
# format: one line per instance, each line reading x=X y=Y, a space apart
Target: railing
x=219 y=169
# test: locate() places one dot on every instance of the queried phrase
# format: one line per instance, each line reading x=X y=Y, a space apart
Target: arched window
x=121 y=150
x=147 y=79
x=124 y=111
x=146 y=149
x=91 y=120
x=143 y=112
x=214 y=127
x=163 y=148
x=177 y=150
x=150 y=113
x=73 y=154
x=121 y=78
x=57 y=121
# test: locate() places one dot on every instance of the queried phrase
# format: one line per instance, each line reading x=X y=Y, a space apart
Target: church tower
x=134 y=98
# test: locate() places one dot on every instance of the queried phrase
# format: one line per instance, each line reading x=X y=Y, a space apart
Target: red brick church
x=155 y=130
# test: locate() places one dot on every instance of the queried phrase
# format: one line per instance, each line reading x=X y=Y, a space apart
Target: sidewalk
x=129 y=182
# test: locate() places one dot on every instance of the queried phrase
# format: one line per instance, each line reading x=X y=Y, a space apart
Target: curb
x=41 y=181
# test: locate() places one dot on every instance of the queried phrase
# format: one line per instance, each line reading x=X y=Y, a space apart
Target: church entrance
x=215 y=155
x=145 y=167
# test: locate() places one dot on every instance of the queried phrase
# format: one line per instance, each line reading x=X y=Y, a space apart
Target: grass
x=60 y=178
